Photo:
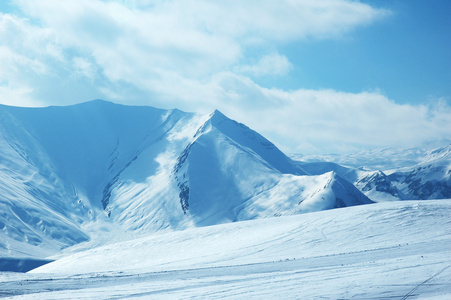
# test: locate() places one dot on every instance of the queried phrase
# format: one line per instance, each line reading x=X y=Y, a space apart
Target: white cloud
x=18 y=96
x=13 y=59
x=195 y=55
x=271 y=64
x=331 y=121
x=83 y=67
x=134 y=39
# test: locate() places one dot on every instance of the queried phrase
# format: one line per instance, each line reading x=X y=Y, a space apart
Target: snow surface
x=395 y=250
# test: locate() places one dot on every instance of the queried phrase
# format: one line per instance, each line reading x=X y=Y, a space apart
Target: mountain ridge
x=100 y=165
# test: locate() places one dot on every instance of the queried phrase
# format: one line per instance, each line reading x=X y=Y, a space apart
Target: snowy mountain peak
x=242 y=135
x=216 y=114
x=143 y=169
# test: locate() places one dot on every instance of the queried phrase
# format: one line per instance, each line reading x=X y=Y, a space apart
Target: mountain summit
x=144 y=169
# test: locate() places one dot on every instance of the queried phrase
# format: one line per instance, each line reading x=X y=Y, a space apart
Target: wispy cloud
x=271 y=64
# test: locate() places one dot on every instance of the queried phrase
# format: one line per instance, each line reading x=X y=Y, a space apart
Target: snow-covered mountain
x=427 y=177
x=430 y=179
x=68 y=173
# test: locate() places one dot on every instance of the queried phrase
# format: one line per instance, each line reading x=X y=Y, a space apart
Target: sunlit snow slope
x=396 y=250
x=63 y=169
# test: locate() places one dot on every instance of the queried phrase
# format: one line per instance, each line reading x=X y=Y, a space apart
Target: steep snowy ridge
x=235 y=162
x=244 y=136
x=143 y=169
x=250 y=177
x=345 y=195
x=78 y=140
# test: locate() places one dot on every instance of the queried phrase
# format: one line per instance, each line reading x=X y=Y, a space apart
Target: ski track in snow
x=337 y=276
x=410 y=293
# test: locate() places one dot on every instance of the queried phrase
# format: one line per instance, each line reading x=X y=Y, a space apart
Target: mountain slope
x=35 y=209
x=143 y=169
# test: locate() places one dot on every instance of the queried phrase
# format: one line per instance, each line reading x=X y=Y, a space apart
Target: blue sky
x=312 y=76
x=407 y=56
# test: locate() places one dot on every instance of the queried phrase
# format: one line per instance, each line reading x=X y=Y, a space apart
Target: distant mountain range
x=68 y=174
x=411 y=174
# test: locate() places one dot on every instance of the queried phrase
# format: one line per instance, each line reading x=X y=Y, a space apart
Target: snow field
x=395 y=250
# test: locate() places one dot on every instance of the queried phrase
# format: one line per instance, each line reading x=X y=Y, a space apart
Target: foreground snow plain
x=392 y=250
